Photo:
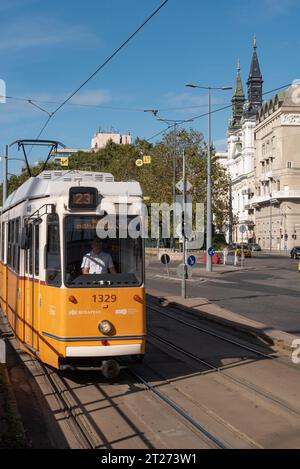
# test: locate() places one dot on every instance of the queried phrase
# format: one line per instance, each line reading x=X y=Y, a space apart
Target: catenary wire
x=214 y=111
x=101 y=67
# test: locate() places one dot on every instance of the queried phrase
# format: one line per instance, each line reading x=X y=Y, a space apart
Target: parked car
x=245 y=248
x=295 y=252
x=254 y=246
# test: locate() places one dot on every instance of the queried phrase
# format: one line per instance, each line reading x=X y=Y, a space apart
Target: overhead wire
x=213 y=112
x=100 y=106
x=100 y=67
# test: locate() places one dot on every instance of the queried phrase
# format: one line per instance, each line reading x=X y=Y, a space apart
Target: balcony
x=275 y=197
x=266 y=176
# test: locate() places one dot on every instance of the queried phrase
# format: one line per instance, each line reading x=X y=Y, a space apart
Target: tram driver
x=97 y=261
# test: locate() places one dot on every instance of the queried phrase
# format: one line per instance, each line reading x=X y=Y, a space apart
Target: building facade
x=264 y=164
x=241 y=152
x=101 y=138
x=277 y=171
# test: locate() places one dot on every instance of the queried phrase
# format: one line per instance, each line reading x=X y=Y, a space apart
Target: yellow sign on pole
x=139 y=162
x=147 y=159
x=64 y=161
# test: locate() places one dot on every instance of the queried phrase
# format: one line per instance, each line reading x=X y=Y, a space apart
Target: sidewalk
x=280 y=340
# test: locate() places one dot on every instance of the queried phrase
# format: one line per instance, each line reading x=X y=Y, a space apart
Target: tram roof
x=57 y=183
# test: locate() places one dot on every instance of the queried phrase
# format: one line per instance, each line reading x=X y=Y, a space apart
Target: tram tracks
x=221 y=337
x=79 y=424
x=197 y=426
x=221 y=370
x=240 y=381
x=87 y=436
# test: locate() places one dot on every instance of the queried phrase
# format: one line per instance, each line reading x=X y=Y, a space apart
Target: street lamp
x=209 y=185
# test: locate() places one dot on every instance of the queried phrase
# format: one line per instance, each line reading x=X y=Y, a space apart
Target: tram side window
x=30 y=254
x=53 y=261
x=3 y=242
x=16 y=264
x=37 y=249
x=9 y=243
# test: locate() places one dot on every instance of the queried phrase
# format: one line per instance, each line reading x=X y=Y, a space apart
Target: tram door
x=32 y=288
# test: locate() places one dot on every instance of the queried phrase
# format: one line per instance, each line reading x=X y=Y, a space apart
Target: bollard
x=2 y=351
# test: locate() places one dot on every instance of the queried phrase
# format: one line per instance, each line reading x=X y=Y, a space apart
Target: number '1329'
x=104 y=298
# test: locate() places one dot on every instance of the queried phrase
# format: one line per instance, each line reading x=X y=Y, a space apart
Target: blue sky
x=47 y=48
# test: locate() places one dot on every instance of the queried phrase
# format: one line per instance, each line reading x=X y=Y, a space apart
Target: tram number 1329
x=104 y=298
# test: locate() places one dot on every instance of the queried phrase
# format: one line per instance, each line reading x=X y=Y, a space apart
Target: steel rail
x=78 y=420
x=241 y=381
x=220 y=336
x=153 y=388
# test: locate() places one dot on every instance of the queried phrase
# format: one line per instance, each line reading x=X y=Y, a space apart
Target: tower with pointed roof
x=254 y=83
x=238 y=101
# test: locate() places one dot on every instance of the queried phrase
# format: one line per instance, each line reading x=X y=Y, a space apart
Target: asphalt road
x=270 y=293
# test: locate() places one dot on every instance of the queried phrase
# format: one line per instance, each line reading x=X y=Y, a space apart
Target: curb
x=202 y=307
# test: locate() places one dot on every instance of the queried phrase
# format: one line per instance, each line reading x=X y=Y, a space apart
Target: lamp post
x=209 y=215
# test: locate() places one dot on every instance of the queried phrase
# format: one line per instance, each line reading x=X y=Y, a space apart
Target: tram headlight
x=105 y=327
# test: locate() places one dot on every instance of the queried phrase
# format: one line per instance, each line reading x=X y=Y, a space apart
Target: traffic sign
x=165 y=259
x=180 y=185
x=147 y=159
x=191 y=261
x=211 y=252
x=64 y=161
x=180 y=271
x=243 y=229
x=139 y=162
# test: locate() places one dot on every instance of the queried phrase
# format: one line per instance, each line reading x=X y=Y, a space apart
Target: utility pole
x=208 y=200
x=184 y=272
x=209 y=215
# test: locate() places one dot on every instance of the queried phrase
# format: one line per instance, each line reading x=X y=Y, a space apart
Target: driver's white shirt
x=97 y=263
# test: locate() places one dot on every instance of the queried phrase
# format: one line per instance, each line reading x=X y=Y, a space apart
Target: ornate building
x=264 y=164
x=241 y=151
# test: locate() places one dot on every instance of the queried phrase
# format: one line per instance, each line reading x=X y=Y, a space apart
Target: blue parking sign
x=211 y=252
x=191 y=260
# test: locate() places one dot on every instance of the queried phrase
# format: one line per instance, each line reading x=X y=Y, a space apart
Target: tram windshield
x=91 y=261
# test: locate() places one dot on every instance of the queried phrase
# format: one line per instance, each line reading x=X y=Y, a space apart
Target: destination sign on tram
x=83 y=198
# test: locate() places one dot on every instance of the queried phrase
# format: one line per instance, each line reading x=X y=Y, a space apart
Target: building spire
x=238 y=100
x=254 y=82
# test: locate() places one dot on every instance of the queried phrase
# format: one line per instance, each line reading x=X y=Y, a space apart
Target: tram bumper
x=103 y=351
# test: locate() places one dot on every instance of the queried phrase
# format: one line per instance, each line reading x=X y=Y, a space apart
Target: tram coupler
x=110 y=369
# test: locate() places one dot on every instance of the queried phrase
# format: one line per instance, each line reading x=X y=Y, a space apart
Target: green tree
x=156 y=178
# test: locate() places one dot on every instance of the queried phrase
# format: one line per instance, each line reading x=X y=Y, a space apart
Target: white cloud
x=41 y=32
x=191 y=100
x=92 y=97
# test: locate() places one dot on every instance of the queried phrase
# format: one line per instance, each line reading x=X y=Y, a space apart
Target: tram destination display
x=83 y=198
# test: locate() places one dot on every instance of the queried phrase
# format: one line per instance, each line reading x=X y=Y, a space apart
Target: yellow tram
x=60 y=311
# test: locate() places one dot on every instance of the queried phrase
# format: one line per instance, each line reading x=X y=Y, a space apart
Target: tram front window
x=91 y=261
